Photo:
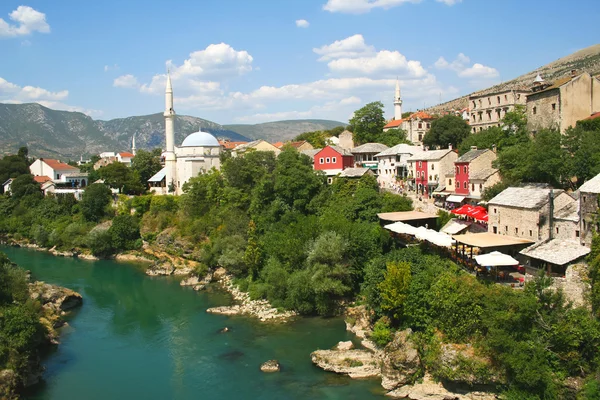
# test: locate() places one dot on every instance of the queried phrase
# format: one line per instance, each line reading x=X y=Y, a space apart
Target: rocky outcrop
x=132 y=257
x=344 y=345
x=270 y=366
x=354 y=363
x=260 y=309
x=400 y=361
x=196 y=283
x=54 y=297
x=163 y=269
x=428 y=389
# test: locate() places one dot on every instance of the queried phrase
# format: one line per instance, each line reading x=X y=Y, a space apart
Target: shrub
x=125 y=230
x=382 y=334
x=100 y=243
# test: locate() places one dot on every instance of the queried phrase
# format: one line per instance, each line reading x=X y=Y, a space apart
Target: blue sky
x=240 y=61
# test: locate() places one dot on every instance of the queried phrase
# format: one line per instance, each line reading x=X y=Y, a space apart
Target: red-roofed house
x=393 y=124
x=125 y=157
x=41 y=179
x=229 y=145
x=416 y=126
x=58 y=172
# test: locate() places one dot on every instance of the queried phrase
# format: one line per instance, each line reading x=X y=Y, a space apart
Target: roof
x=343 y=152
x=420 y=115
x=56 y=164
x=471 y=155
x=591 y=186
x=229 y=145
x=405 y=216
x=430 y=155
x=8 y=181
x=370 y=148
x=401 y=148
x=278 y=144
x=41 y=179
x=455 y=226
x=555 y=85
x=126 y=154
x=593 y=116
x=200 y=139
x=354 y=172
x=297 y=144
x=524 y=197
x=159 y=176
x=557 y=251
x=569 y=212
x=482 y=174
x=393 y=123
x=487 y=240
x=311 y=153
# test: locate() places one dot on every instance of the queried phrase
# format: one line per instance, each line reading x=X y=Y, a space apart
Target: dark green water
x=138 y=337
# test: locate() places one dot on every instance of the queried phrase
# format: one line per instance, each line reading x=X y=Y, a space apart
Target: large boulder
x=164 y=269
x=401 y=363
x=358 y=321
x=57 y=298
x=354 y=363
x=428 y=389
x=270 y=366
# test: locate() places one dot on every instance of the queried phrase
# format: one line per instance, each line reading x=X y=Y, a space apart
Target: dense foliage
x=367 y=125
x=319 y=139
x=448 y=130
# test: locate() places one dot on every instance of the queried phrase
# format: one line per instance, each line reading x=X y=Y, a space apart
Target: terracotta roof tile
x=126 y=154
x=593 y=116
x=56 y=164
x=41 y=179
x=394 y=123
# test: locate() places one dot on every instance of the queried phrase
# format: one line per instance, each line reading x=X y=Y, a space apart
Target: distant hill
x=283 y=130
x=585 y=60
x=68 y=135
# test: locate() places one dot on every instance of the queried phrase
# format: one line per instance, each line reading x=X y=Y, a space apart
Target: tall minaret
x=397 y=102
x=170 y=159
x=133 y=144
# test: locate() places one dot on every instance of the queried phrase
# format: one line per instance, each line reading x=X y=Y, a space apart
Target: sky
x=244 y=61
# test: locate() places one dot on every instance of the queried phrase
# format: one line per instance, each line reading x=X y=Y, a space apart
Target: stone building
x=561 y=104
x=472 y=174
x=364 y=155
x=588 y=203
x=429 y=168
x=392 y=165
x=487 y=110
x=524 y=212
x=346 y=140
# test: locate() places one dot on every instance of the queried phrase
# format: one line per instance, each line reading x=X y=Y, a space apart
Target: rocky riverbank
x=398 y=364
x=260 y=309
x=56 y=302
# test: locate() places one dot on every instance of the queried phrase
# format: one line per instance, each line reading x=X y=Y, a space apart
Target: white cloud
x=461 y=66
x=362 y=6
x=113 y=67
x=479 y=71
x=27 y=21
x=351 y=47
x=126 y=81
x=302 y=23
x=351 y=100
x=449 y=2
x=15 y=94
x=389 y=63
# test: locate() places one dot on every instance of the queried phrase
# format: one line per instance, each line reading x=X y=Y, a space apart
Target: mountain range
x=70 y=135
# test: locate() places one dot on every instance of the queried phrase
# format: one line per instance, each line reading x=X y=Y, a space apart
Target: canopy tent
x=479 y=213
x=495 y=259
x=455 y=198
x=437 y=238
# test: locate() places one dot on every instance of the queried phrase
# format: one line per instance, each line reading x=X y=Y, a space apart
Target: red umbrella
x=480 y=215
x=463 y=210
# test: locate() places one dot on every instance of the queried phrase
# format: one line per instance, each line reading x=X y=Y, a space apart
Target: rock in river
x=270 y=366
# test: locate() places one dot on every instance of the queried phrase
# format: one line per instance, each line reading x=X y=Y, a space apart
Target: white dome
x=200 y=139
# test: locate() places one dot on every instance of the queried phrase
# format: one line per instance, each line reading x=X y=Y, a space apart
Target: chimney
x=473 y=147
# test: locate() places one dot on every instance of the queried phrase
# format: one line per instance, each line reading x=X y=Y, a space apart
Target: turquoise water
x=137 y=337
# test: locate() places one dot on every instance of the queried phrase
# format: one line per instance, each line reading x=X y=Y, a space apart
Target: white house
x=392 y=164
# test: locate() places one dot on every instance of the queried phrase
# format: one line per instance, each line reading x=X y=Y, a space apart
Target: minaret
x=170 y=159
x=397 y=102
x=133 y=144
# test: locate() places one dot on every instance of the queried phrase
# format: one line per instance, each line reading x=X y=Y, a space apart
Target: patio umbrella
x=463 y=210
x=495 y=259
x=480 y=215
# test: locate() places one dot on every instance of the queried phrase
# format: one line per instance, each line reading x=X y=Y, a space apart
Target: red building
x=333 y=160
x=421 y=177
x=461 y=177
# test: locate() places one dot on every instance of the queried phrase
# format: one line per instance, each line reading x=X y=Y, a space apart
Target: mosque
x=199 y=152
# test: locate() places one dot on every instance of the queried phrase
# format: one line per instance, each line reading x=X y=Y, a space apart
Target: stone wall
x=589 y=208
x=540 y=112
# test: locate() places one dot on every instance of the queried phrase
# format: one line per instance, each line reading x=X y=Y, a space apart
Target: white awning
x=495 y=259
x=159 y=176
x=421 y=233
x=455 y=198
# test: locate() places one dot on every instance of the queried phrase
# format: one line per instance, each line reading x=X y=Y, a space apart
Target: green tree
x=146 y=164
x=24 y=185
x=124 y=231
x=295 y=181
x=394 y=288
x=450 y=129
x=392 y=137
x=12 y=166
x=367 y=123
x=253 y=254
x=95 y=201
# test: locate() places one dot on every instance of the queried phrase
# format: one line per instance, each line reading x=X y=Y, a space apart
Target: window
x=428 y=126
x=57 y=176
x=576 y=233
x=430 y=179
x=474 y=104
x=432 y=167
x=480 y=187
x=321 y=160
x=506 y=228
x=495 y=211
x=480 y=117
x=584 y=199
x=557 y=230
x=420 y=164
x=465 y=185
x=534 y=110
x=334 y=160
x=505 y=97
x=516 y=231
x=327 y=160
x=465 y=169
x=518 y=96
x=472 y=187
x=498 y=99
x=458 y=170
x=457 y=185
x=489 y=101
x=449 y=182
x=330 y=180
x=553 y=106
x=495 y=229
x=530 y=233
x=420 y=125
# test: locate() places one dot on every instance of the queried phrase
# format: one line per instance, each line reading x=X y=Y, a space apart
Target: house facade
x=473 y=173
x=59 y=172
x=563 y=103
x=429 y=168
x=589 y=194
x=332 y=160
x=257 y=145
x=364 y=155
x=392 y=166
x=487 y=110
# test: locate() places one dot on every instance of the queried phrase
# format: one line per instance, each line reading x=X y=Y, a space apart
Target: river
x=148 y=338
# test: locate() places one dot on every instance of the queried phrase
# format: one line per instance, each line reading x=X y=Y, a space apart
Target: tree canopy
x=367 y=123
x=448 y=130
